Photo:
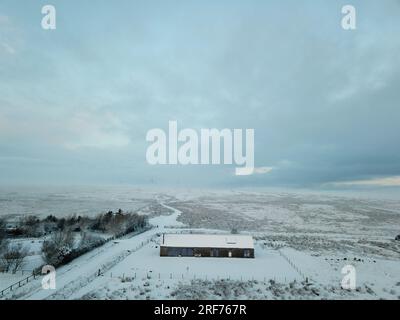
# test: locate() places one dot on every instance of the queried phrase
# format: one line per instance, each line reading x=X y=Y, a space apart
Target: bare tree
x=233 y=227
x=12 y=259
x=2 y=231
x=3 y=242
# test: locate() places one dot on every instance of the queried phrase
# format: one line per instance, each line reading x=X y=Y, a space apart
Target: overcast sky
x=76 y=103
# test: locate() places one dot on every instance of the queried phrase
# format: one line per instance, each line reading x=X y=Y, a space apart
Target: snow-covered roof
x=207 y=241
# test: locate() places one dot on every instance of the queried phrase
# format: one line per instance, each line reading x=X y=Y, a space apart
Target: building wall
x=205 y=252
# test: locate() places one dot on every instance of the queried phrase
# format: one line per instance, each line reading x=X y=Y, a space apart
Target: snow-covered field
x=298 y=237
x=65 y=201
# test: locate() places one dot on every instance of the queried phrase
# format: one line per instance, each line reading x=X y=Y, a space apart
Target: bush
x=57 y=249
x=89 y=242
x=118 y=223
x=30 y=226
x=51 y=218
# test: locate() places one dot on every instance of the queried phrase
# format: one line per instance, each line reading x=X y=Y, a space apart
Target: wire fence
x=294 y=266
x=19 y=283
x=37 y=272
x=104 y=270
x=278 y=247
x=21 y=272
x=186 y=276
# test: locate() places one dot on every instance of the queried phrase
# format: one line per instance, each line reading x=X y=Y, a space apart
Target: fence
x=143 y=274
x=36 y=273
x=19 y=284
x=20 y=271
x=151 y=275
x=293 y=265
x=278 y=247
x=107 y=266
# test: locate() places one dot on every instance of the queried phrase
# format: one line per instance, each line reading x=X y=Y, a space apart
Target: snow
x=8 y=279
x=83 y=269
x=138 y=256
x=207 y=241
x=311 y=238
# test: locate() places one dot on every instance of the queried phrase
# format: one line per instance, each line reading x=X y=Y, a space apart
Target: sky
x=77 y=102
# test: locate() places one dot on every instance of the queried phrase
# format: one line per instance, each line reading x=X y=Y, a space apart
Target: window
x=187 y=252
x=247 y=253
x=214 y=253
x=173 y=252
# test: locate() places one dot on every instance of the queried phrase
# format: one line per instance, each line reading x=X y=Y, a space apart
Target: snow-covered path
x=83 y=270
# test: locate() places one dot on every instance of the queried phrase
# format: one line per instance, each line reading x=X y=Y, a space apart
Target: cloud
x=9 y=36
x=323 y=102
x=101 y=131
x=4 y=19
x=379 y=182
x=263 y=170
x=8 y=48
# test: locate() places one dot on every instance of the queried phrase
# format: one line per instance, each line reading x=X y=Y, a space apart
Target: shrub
x=118 y=223
x=57 y=249
x=89 y=242
x=30 y=226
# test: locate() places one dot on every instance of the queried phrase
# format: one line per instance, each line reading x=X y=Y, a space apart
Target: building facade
x=202 y=245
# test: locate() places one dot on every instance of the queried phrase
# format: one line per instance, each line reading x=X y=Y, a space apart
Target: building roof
x=207 y=241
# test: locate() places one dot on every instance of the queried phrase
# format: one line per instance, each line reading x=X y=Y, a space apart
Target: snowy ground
x=298 y=237
x=65 y=201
